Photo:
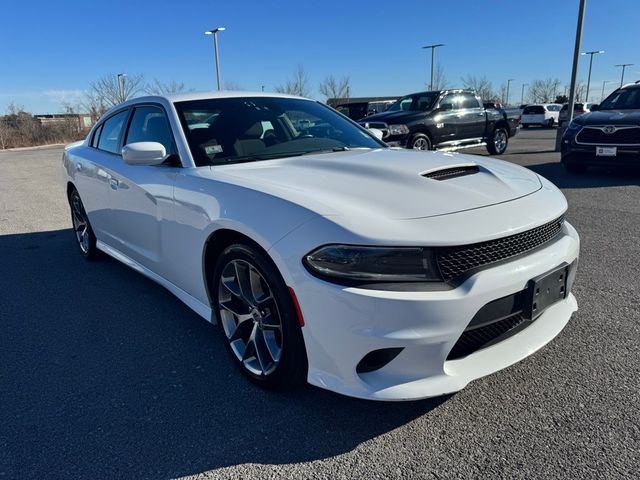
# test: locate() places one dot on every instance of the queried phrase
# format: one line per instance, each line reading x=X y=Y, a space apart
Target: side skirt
x=193 y=303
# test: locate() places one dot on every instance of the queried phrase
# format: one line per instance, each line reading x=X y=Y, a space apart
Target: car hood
x=610 y=117
x=383 y=183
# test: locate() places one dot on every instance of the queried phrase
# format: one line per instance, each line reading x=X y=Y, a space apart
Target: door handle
x=113 y=182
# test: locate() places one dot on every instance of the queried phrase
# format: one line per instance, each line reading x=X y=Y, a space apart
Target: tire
x=575 y=168
x=257 y=318
x=525 y=125
x=420 y=142
x=550 y=123
x=498 y=142
x=85 y=238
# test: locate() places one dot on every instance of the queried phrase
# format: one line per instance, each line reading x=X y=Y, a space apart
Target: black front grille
x=596 y=136
x=453 y=172
x=456 y=261
x=475 y=339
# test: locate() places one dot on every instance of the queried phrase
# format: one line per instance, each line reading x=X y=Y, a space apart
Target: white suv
x=545 y=115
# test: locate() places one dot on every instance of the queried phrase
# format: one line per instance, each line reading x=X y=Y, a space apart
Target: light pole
x=591 y=54
x=604 y=82
x=522 y=95
x=214 y=32
x=433 y=58
x=121 y=86
x=508 y=83
x=623 y=65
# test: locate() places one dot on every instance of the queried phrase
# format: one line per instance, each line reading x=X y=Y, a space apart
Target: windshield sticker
x=213 y=149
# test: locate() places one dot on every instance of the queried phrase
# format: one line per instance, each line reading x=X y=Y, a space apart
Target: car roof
x=185 y=97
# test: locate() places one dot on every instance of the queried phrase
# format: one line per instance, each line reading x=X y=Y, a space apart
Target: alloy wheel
x=80 y=223
x=500 y=140
x=421 y=144
x=250 y=317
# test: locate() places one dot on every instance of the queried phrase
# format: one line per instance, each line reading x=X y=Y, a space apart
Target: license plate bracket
x=545 y=290
x=606 y=151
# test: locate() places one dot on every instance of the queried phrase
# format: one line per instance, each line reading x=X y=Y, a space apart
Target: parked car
x=443 y=119
x=608 y=135
x=358 y=110
x=322 y=254
x=578 y=109
x=544 y=115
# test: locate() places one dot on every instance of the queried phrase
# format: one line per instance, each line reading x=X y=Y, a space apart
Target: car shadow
x=592 y=178
x=104 y=373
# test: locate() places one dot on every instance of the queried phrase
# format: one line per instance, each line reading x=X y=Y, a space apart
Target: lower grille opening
x=377 y=359
x=474 y=339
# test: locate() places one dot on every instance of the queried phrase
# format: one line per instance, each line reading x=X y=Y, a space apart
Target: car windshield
x=418 y=102
x=626 y=99
x=231 y=130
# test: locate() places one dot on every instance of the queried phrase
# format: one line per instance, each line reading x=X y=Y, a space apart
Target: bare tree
x=5 y=132
x=159 y=88
x=482 y=86
x=298 y=85
x=113 y=91
x=93 y=104
x=231 y=85
x=543 y=91
x=331 y=87
x=439 y=79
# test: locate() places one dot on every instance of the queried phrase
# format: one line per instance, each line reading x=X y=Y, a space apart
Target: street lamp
x=623 y=65
x=433 y=57
x=214 y=32
x=508 y=83
x=522 y=95
x=591 y=54
x=121 y=86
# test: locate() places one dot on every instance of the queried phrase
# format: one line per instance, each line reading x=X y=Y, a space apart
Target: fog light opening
x=377 y=359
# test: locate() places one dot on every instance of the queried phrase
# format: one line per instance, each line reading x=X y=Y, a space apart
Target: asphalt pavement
x=104 y=374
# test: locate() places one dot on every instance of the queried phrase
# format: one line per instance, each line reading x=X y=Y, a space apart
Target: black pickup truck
x=444 y=119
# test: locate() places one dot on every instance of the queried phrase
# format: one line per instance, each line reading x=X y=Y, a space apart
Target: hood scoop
x=452 y=171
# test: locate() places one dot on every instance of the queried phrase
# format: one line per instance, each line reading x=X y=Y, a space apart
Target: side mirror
x=594 y=107
x=144 y=153
x=376 y=133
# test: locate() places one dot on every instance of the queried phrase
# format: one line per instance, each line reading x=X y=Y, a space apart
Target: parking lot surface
x=104 y=374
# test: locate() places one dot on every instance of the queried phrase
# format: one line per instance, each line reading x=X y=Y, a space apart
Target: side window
x=406 y=104
x=150 y=124
x=469 y=101
x=96 y=136
x=111 y=132
x=449 y=99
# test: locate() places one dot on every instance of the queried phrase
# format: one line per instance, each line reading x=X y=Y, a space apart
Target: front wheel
x=420 y=142
x=498 y=142
x=258 y=319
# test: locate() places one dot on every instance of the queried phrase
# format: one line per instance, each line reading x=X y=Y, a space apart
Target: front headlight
x=398 y=129
x=350 y=263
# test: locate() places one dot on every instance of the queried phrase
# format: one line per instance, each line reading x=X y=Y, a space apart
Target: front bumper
x=574 y=153
x=343 y=324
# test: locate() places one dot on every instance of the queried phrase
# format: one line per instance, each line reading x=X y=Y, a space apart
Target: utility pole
x=623 y=65
x=522 y=95
x=433 y=59
x=121 y=86
x=604 y=82
x=508 y=83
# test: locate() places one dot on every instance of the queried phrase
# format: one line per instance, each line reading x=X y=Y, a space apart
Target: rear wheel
x=550 y=123
x=258 y=319
x=420 y=142
x=498 y=142
x=85 y=238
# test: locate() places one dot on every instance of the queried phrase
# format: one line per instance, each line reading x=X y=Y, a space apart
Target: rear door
x=91 y=175
x=472 y=118
x=141 y=196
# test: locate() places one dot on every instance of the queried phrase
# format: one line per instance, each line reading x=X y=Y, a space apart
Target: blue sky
x=51 y=50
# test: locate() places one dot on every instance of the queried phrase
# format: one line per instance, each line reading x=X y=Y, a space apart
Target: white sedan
x=323 y=255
